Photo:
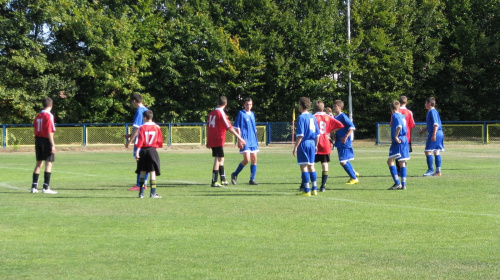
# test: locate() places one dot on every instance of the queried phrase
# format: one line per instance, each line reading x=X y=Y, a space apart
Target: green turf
x=439 y=228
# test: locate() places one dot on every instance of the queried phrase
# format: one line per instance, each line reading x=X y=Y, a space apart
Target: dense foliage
x=89 y=56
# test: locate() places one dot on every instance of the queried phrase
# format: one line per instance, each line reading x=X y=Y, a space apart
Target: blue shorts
x=251 y=150
x=306 y=152
x=345 y=154
x=399 y=151
x=437 y=145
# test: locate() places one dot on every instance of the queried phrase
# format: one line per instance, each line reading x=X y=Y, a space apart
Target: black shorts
x=218 y=151
x=322 y=158
x=43 y=149
x=148 y=161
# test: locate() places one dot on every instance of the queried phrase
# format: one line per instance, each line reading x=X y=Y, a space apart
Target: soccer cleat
x=49 y=191
x=402 y=187
x=437 y=174
x=154 y=195
x=395 y=187
x=322 y=189
x=224 y=183
x=141 y=196
x=137 y=188
x=356 y=174
x=34 y=190
x=301 y=189
x=314 y=192
x=233 y=179
x=252 y=182
x=352 y=181
x=304 y=193
x=429 y=173
x=216 y=185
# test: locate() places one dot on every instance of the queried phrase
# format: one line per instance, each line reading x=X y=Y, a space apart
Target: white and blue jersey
x=433 y=119
x=245 y=123
x=400 y=151
x=341 y=133
x=138 y=121
x=308 y=129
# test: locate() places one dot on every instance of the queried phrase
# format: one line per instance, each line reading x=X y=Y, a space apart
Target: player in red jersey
x=327 y=126
x=149 y=139
x=45 y=147
x=217 y=125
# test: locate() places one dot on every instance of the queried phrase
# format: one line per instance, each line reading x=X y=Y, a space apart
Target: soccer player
x=45 y=146
x=245 y=125
x=410 y=124
x=136 y=100
x=327 y=126
x=149 y=139
x=399 y=147
x=343 y=142
x=306 y=147
x=435 y=138
x=218 y=124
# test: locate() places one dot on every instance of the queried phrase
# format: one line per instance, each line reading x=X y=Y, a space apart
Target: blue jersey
x=341 y=133
x=139 y=116
x=245 y=123
x=398 y=120
x=307 y=127
x=432 y=119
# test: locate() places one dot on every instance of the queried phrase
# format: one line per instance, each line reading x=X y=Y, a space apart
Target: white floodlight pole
x=349 y=54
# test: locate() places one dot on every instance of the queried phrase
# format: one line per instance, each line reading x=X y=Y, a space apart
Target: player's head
x=338 y=105
x=395 y=106
x=222 y=101
x=304 y=103
x=431 y=101
x=403 y=100
x=136 y=99
x=148 y=115
x=319 y=106
x=47 y=102
x=328 y=110
x=248 y=104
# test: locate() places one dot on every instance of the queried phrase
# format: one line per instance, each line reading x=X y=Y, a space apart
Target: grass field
x=439 y=228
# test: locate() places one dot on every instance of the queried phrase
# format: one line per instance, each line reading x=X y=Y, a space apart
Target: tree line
x=91 y=55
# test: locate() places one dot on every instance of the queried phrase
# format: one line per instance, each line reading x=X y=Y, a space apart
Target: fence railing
x=103 y=134
x=107 y=134
x=454 y=132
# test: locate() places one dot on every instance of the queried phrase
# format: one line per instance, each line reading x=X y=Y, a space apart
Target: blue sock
x=394 y=174
x=253 y=171
x=350 y=171
x=314 y=178
x=403 y=176
x=438 y=163
x=238 y=169
x=305 y=181
x=430 y=163
x=138 y=182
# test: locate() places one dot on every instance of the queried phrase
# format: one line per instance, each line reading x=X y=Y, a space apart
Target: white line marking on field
x=383 y=204
x=57 y=171
x=9 y=186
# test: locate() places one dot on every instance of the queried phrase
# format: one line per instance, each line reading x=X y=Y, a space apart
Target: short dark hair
x=319 y=106
x=47 y=102
x=339 y=103
x=222 y=100
x=247 y=99
x=431 y=100
x=136 y=97
x=148 y=115
x=305 y=102
x=395 y=105
x=403 y=100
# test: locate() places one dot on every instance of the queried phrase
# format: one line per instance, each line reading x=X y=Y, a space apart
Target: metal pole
x=349 y=54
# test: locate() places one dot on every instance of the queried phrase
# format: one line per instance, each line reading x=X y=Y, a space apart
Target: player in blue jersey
x=343 y=142
x=435 y=138
x=399 y=150
x=247 y=129
x=306 y=146
x=136 y=100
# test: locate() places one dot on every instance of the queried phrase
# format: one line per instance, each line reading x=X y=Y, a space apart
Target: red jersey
x=218 y=124
x=44 y=124
x=326 y=125
x=149 y=136
x=410 y=123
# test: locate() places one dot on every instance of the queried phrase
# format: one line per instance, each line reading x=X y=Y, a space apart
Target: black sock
x=222 y=174
x=34 y=183
x=324 y=177
x=215 y=173
x=152 y=185
x=141 y=183
x=46 y=180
